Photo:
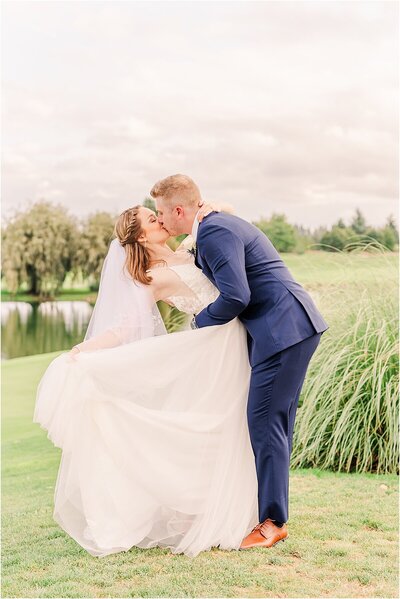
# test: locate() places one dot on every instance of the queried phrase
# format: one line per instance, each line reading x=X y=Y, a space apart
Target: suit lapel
x=197 y=259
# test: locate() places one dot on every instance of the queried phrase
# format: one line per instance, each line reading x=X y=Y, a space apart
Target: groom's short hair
x=181 y=188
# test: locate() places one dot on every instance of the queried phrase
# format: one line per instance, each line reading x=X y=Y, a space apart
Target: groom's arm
x=224 y=254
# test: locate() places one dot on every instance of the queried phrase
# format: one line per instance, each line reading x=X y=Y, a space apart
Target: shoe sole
x=263 y=546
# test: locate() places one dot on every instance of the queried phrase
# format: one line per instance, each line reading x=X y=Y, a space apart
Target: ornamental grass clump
x=347 y=418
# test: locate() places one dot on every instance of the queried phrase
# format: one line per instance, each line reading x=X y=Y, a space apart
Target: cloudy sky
x=270 y=106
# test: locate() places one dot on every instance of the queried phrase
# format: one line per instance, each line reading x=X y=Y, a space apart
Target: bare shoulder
x=163 y=280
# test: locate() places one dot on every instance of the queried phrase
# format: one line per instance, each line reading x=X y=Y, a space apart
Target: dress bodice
x=192 y=290
x=195 y=291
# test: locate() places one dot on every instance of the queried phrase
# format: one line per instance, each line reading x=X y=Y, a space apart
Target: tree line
x=294 y=238
x=45 y=243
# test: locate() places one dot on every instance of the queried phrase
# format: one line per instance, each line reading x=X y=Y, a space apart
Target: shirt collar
x=195 y=226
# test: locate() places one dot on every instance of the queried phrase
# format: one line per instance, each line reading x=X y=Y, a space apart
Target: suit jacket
x=254 y=285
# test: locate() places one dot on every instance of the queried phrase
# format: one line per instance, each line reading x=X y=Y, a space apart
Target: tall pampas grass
x=347 y=418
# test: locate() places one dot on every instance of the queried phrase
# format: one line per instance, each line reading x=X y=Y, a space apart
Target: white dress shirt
x=195 y=226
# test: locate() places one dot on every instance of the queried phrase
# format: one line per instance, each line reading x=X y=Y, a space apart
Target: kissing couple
x=181 y=440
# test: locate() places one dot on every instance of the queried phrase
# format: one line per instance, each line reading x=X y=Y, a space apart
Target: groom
x=283 y=331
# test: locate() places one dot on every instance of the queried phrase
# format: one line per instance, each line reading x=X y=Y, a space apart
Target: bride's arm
x=113 y=336
x=105 y=340
x=165 y=283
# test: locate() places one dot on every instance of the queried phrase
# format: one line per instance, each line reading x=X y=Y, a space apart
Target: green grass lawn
x=342 y=527
x=64 y=295
x=317 y=269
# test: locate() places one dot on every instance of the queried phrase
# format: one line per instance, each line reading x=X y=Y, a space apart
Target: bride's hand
x=205 y=210
x=71 y=355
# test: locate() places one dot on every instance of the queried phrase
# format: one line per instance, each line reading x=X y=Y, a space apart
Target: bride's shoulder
x=163 y=281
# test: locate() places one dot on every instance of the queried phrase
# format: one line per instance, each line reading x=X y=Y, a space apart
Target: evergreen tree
x=358 y=224
x=336 y=239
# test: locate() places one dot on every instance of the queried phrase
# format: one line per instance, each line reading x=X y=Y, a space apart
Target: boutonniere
x=193 y=250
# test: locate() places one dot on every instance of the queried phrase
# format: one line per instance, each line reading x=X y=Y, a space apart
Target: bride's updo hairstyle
x=128 y=229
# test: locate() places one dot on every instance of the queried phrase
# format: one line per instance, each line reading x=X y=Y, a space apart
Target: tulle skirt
x=155 y=443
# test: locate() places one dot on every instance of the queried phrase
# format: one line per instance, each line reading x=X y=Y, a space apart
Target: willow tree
x=96 y=235
x=39 y=249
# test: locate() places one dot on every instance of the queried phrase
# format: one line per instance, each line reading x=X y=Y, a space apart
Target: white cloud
x=269 y=106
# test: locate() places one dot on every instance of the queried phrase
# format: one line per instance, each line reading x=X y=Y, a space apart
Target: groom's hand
x=205 y=210
x=193 y=323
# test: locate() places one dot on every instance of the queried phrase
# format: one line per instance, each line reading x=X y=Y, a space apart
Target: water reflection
x=23 y=308
x=75 y=314
x=29 y=329
x=32 y=328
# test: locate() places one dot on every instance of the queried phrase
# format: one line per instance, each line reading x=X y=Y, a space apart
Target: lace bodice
x=196 y=291
x=192 y=291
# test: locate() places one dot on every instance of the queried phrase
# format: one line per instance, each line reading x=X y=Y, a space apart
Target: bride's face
x=153 y=231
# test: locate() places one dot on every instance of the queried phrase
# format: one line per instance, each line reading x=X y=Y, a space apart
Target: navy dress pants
x=275 y=387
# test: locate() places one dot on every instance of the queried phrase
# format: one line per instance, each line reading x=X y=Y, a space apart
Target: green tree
x=390 y=234
x=384 y=238
x=317 y=235
x=150 y=203
x=358 y=224
x=39 y=246
x=372 y=237
x=391 y=224
x=304 y=239
x=390 y=237
x=337 y=238
x=97 y=233
x=281 y=234
x=341 y=224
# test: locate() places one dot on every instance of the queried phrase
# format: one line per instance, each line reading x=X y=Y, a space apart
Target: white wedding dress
x=154 y=437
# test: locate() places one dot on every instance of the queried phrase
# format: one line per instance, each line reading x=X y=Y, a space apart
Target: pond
x=37 y=328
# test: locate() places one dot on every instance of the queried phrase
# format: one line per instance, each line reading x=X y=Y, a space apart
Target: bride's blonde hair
x=128 y=229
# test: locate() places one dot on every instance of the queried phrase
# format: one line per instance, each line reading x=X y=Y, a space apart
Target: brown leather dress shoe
x=265 y=534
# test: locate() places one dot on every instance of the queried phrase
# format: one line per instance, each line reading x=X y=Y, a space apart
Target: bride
x=152 y=427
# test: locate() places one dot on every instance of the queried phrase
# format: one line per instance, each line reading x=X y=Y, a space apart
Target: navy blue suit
x=283 y=330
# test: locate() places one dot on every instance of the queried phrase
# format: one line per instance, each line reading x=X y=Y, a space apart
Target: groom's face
x=170 y=217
